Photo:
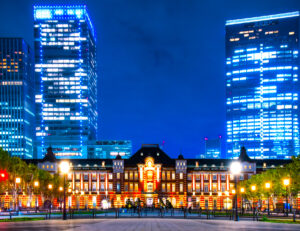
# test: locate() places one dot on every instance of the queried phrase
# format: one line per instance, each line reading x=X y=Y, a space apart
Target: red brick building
x=152 y=176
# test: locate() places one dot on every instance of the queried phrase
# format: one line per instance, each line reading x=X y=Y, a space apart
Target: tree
x=17 y=168
x=275 y=178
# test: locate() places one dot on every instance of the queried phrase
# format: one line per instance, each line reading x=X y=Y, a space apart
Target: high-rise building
x=66 y=80
x=16 y=97
x=109 y=149
x=262 y=86
x=213 y=149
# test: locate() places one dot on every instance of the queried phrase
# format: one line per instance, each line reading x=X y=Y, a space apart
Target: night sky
x=160 y=64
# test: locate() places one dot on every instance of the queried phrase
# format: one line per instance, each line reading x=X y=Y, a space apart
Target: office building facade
x=16 y=97
x=262 y=86
x=109 y=149
x=213 y=148
x=66 y=80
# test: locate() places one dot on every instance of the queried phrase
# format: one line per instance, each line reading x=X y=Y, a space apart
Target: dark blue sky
x=160 y=63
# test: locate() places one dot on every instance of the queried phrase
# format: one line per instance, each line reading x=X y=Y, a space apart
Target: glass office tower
x=262 y=86
x=213 y=148
x=65 y=67
x=16 y=97
x=109 y=149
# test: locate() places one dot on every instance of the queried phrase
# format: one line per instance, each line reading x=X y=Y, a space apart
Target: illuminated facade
x=109 y=149
x=65 y=67
x=153 y=177
x=212 y=148
x=262 y=86
x=16 y=97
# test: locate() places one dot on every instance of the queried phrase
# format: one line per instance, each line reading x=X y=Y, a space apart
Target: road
x=144 y=224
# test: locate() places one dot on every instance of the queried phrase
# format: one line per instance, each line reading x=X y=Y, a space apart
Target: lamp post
x=268 y=186
x=286 y=183
x=18 y=181
x=36 y=184
x=60 y=190
x=64 y=168
x=236 y=169
x=50 y=187
x=242 y=191
x=253 y=189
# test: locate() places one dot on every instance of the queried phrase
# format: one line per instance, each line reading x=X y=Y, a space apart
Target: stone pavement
x=146 y=224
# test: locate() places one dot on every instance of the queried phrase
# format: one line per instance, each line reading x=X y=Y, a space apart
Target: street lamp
x=253 y=189
x=236 y=169
x=50 y=186
x=60 y=189
x=286 y=183
x=18 y=181
x=268 y=186
x=242 y=191
x=36 y=184
x=64 y=168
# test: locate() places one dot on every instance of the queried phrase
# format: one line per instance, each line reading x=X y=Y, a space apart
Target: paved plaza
x=146 y=224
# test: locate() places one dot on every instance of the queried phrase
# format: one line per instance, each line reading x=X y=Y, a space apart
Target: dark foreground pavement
x=149 y=224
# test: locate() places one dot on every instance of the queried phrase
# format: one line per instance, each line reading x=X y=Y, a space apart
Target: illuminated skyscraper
x=109 y=149
x=65 y=67
x=262 y=86
x=16 y=97
x=213 y=148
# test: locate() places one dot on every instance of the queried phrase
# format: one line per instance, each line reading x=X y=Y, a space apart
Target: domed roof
x=244 y=156
x=180 y=157
x=50 y=156
x=118 y=157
